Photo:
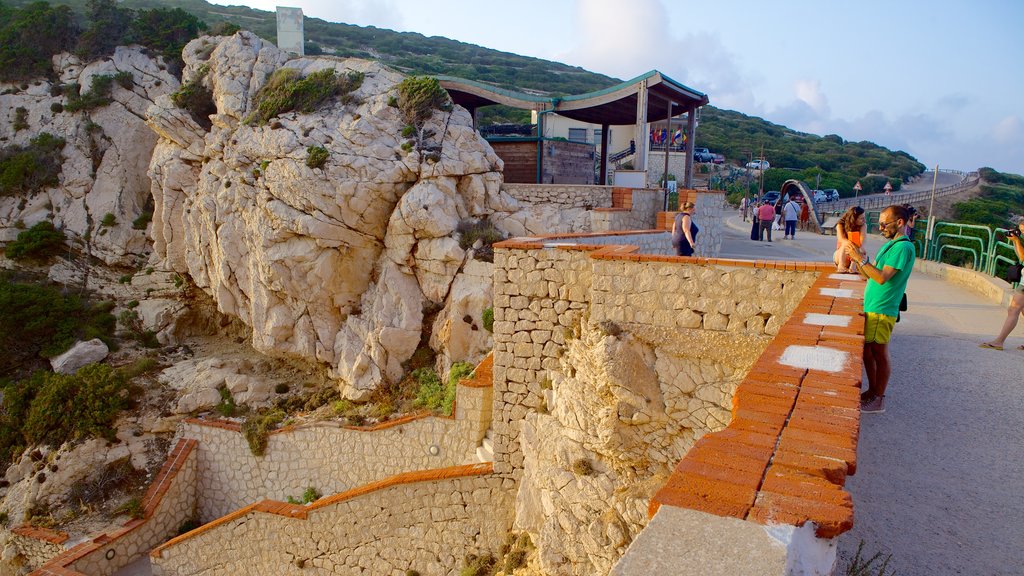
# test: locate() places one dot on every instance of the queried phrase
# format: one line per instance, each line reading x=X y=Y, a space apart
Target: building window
x=577 y=134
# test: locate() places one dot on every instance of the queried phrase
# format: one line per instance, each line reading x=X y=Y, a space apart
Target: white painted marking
x=827 y=319
x=838 y=276
x=814 y=358
x=837 y=292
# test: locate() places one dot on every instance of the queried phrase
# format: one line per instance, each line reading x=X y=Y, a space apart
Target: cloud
x=1009 y=130
x=645 y=38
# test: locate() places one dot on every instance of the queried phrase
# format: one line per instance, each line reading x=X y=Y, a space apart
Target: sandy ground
x=940 y=477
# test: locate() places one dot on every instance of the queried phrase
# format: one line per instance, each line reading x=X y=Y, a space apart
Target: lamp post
x=931 y=213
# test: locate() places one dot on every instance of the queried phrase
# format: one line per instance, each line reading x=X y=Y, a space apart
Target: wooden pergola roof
x=614 y=106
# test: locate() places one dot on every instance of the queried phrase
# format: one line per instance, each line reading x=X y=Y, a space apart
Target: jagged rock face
x=620 y=411
x=105 y=159
x=333 y=264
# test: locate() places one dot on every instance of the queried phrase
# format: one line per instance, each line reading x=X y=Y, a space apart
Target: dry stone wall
x=426 y=526
x=609 y=366
x=329 y=457
x=640 y=215
x=571 y=195
x=35 y=546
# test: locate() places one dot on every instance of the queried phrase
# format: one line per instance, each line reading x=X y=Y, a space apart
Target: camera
x=1013 y=233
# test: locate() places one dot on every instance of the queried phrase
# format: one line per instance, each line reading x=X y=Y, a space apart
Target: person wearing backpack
x=887 y=285
x=1016 y=307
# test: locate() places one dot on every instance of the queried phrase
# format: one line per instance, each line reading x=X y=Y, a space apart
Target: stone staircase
x=485 y=451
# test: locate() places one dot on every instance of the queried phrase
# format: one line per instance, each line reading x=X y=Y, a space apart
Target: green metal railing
x=978 y=246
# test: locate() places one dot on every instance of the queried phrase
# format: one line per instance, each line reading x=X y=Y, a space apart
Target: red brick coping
x=301 y=512
x=58 y=566
x=784 y=457
x=45 y=534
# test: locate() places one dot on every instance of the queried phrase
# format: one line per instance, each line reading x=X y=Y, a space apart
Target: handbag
x=1013 y=273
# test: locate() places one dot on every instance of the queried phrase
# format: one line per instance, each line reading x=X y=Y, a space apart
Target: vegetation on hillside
x=29 y=169
x=1001 y=199
x=32 y=33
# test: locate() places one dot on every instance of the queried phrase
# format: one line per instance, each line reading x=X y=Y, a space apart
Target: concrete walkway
x=940 y=477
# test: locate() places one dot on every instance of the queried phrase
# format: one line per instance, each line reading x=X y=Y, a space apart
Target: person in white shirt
x=791 y=212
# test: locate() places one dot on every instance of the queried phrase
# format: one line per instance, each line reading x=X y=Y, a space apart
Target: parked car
x=718 y=158
x=702 y=155
x=758 y=165
x=831 y=194
x=771 y=197
x=820 y=196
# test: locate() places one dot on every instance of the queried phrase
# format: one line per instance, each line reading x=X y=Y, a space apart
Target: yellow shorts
x=878 y=328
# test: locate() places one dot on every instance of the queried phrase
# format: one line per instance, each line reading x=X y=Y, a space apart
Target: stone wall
x=329 y=457
x=168 y=503
x=36 y=546
x=609 y=366
x=640 y=214
x=709 y=215
x=647 y=242
x=424 y=521
x=575 y=196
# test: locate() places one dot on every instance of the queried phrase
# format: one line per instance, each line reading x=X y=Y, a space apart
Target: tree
x=31 y=36
x=167 y=31
x=109 y=27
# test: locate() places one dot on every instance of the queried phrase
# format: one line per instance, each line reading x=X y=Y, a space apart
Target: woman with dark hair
x=850 y=231
x=684 y=231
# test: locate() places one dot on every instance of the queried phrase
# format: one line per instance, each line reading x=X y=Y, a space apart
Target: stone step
x=485 y=452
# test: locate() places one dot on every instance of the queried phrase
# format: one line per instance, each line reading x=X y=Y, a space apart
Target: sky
x=939 y=79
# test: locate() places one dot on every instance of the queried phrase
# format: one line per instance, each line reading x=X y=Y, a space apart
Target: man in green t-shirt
x=887 y=282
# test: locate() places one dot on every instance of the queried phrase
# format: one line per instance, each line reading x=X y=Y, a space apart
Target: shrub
x=40 y=242
x=488 y=318
x=316 y=156
x=20 y=118
x=196 y=98
x=483 y=230
x=224 y=29
x=109 y=26
x=139 y=367
x=310 y=495
x=132 y=508
x=97 y=96
x=419 y=96
x=285 y=91
x=258 y=426
x=477 y=565
x=108 y=220
x=142 y=221
x=435 y=395
x=39 y=321
x=124 y=79
x=56 y=107
x=166 y=30
x=28 y=169
x=281 y=388
x=68 y=407
x=30 y=36
x=227 y=406
x=582 y=467
x=131 y=322
x=101 y=485
x=867 y=567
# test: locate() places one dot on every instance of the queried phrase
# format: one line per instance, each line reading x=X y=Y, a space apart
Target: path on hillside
x=940 y=475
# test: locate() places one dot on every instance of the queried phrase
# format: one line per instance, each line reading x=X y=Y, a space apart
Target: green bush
x=40 y=322
x=40 y=242
x=97 y=96
x=20 y=119
x=433 y=394
x=285 y=91
x=488 y=318
x=471 y=230
x=419 y=96
x=124 y=79
x=108 y=220
x=478 y=565
x=29 y=169
x=316 y=156
x=109 y=27
x=30 y=36
x=132 y=323
x=133 y=508
x=257 y=426
x=143 y=220
x=227 y=406
x=196 y=98
x=224 y=29
x=166 y=30
x=310 y=495
x=55 y=408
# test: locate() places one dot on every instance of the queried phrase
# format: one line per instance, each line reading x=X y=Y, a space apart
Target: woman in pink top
x=850 y=231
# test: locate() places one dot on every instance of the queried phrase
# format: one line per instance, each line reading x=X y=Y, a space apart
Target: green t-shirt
x=885 y=298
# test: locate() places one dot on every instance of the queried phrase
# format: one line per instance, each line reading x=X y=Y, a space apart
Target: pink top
x=766 y=212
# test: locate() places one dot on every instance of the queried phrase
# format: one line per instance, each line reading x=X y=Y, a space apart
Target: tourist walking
x=743 y=208
x=790 y=212
x=766 y=214
x=1016 y=307
x=887 y=284
x=684 y=231
x=850 y=231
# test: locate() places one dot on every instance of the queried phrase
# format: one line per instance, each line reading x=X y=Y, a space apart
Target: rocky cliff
x=334 y=264
x=106 y=155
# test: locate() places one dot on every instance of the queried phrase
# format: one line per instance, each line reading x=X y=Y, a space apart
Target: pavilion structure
x=638 y=102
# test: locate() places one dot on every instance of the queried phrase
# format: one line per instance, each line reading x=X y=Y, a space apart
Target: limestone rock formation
x=622 y=408
x=81 y=354
x=333 y=264
x=105 y=159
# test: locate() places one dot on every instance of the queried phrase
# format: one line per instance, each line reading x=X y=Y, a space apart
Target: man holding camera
x=1017 y=303
x=887 y=283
